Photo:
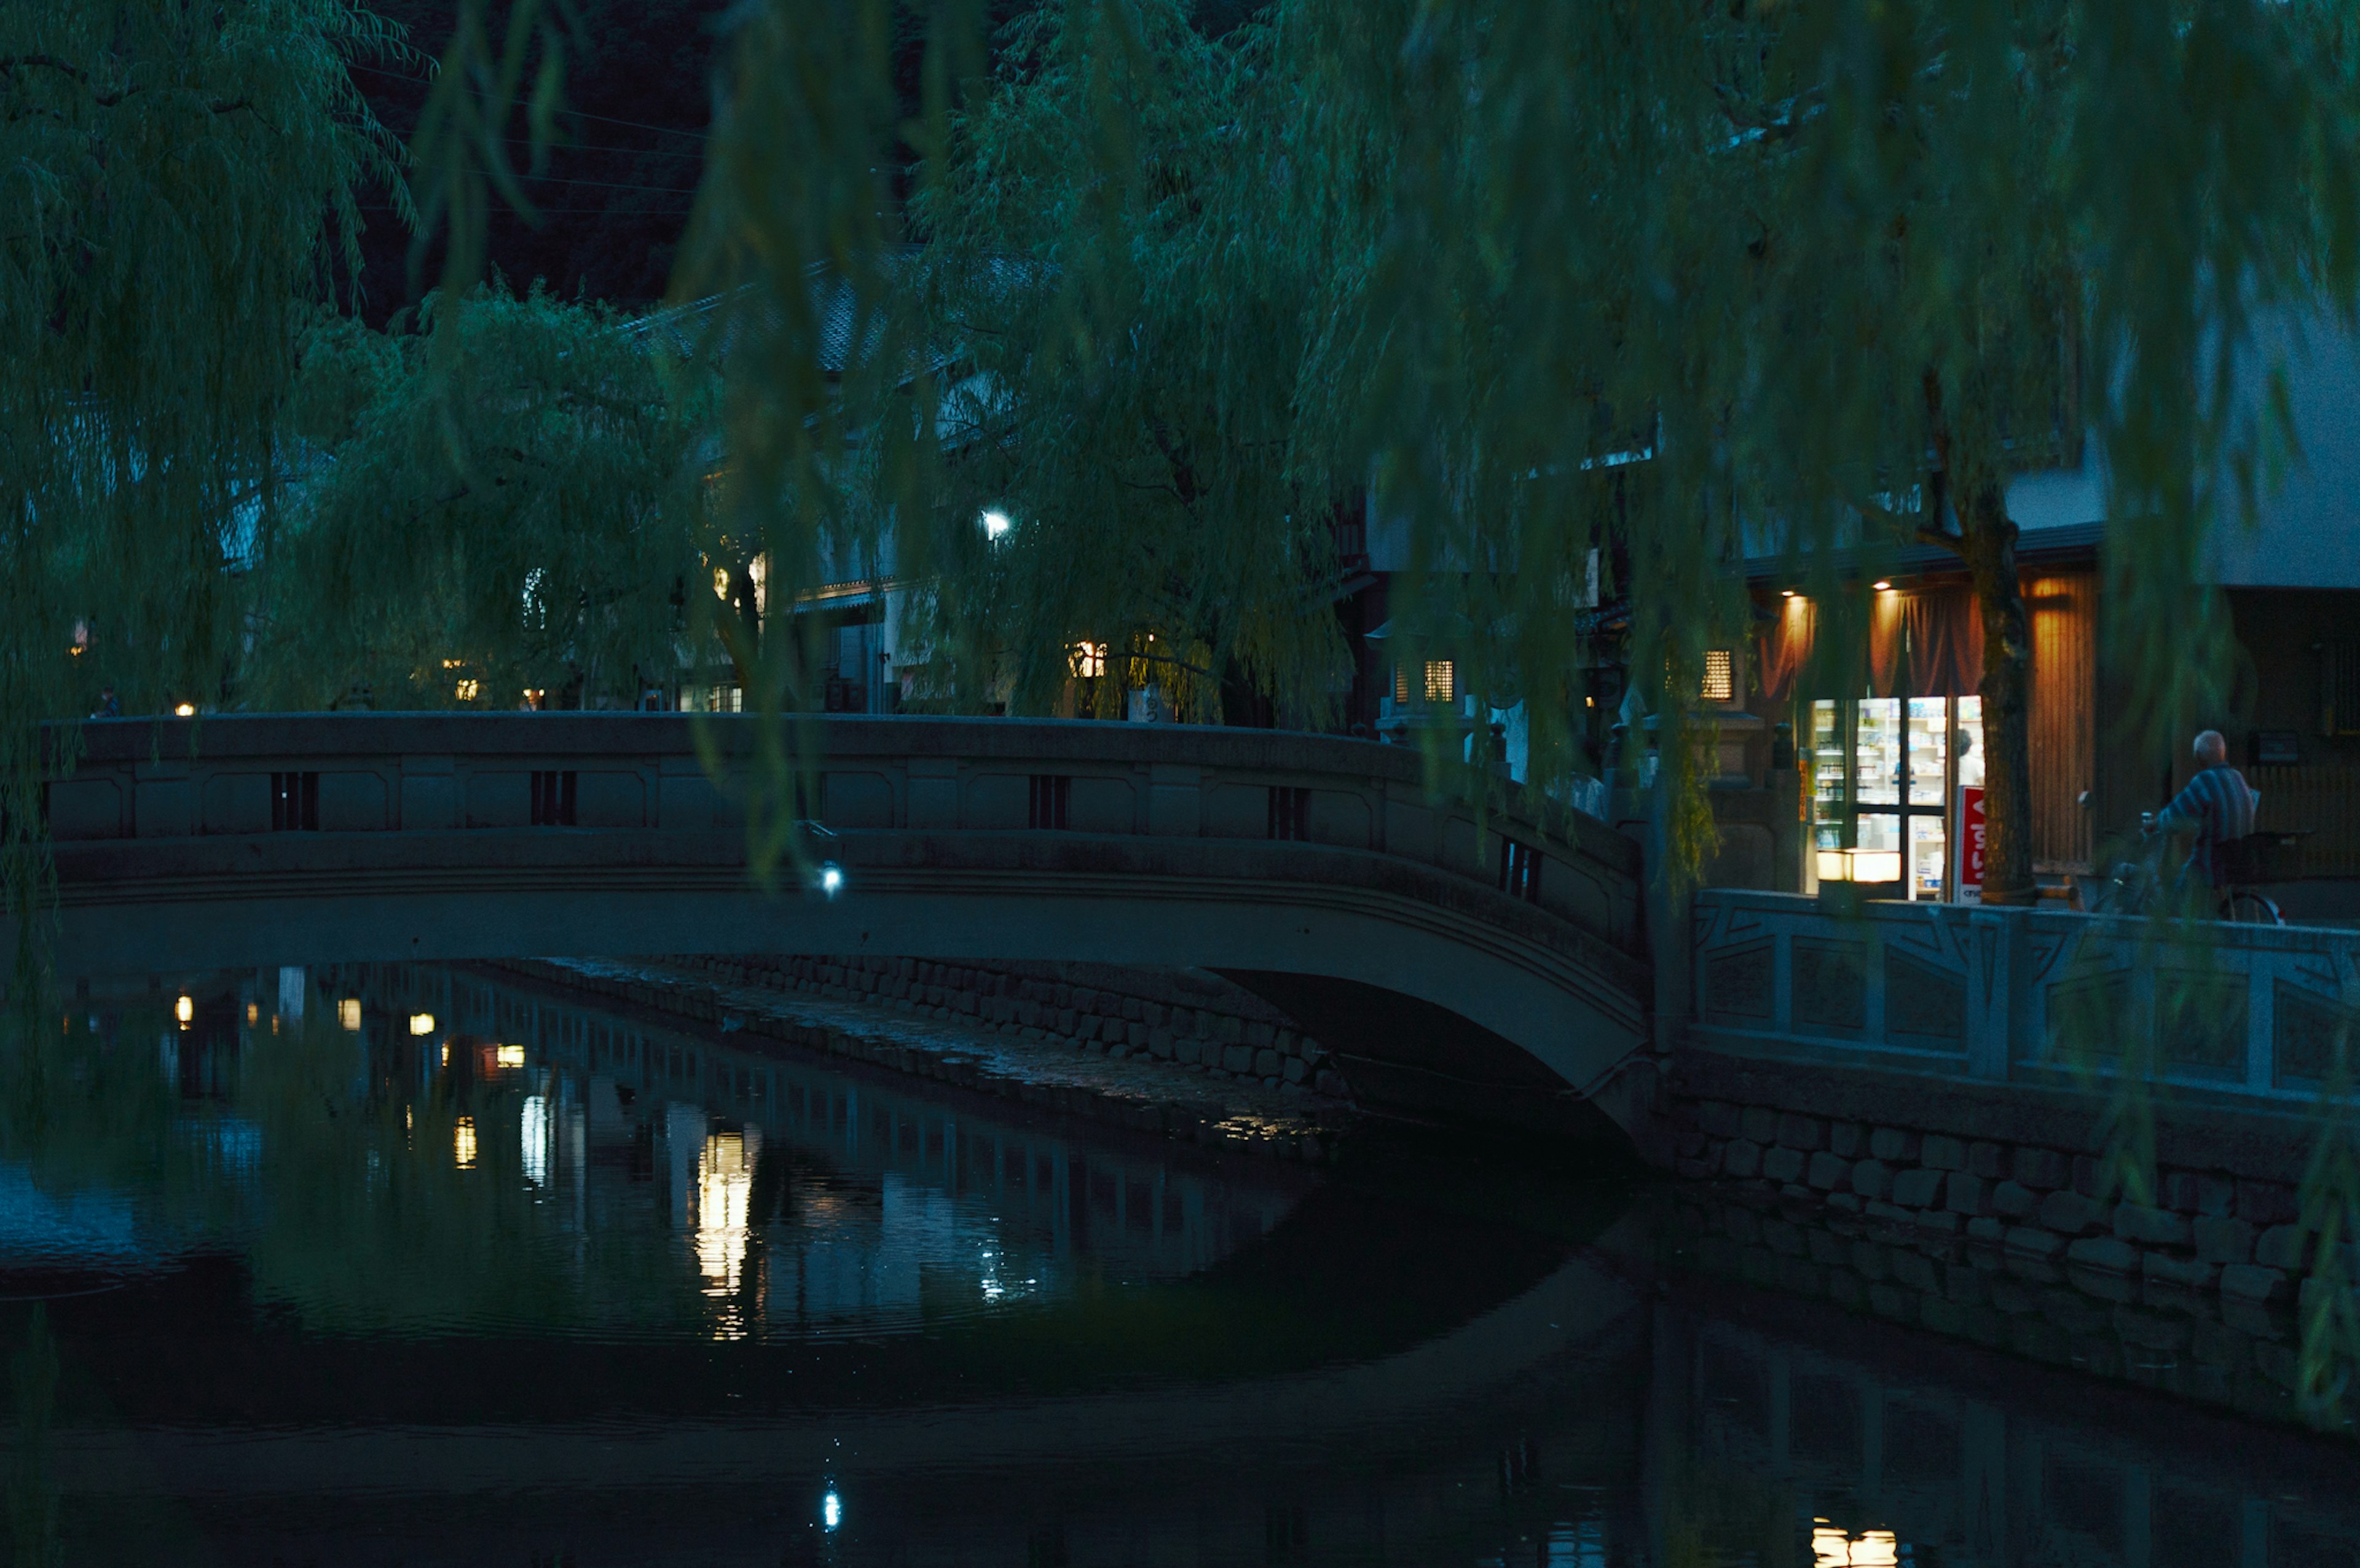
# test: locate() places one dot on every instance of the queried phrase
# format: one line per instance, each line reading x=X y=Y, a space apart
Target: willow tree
x=1120 y=329
x=1836 y=271
x=183 y=182
x=497 y=503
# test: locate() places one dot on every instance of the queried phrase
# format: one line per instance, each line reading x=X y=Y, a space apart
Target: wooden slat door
x=2064 y=716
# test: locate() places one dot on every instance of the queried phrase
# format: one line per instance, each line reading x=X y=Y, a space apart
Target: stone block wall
x=2206 y=1232
x=1191 y=1020
x=2137 y=1324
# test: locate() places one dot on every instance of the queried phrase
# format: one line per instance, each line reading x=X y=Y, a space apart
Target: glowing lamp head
x=186 y=711
x=1884 y=586
x=996 y=524
x=831 y=1510
x=831 y=879
x=421 y=1023
x=185 y=1010
x=1869 y=866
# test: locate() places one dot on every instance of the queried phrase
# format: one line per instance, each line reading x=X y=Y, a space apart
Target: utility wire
x=553 y=212
x=601 y=147
x=609 y=184
x=577 y=114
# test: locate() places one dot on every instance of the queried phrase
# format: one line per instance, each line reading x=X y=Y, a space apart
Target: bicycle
x=2241 y=863
x=2135 y=888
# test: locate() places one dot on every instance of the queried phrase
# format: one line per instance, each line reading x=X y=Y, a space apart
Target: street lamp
x=996 y=524
x=1860 y=865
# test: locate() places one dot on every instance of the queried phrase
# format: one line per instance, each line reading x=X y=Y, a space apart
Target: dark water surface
x=426 y=1265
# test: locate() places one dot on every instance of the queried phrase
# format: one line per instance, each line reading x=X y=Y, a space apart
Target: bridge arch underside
x=1443 y=998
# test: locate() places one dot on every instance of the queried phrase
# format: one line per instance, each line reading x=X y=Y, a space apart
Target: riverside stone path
x=1141 y=1092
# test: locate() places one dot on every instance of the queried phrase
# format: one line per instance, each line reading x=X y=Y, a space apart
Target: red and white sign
x=1968 y=838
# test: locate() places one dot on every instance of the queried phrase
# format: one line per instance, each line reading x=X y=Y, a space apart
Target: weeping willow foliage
x=1837 y=270
x=1099 y=263
x=500 y=502
x=180 y=182
x=1650 y=286
x=1655 y=288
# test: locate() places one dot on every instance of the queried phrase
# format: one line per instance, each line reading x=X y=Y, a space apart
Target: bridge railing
x=632 y=773
x=2005 y=993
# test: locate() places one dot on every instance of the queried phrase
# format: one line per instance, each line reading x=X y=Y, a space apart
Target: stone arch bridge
x=1494 y=970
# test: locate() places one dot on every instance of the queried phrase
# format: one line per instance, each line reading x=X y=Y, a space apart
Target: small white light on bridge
x=831 y=879
x=831 y=1511
x=421 y=1023
x=996 y=524
x=186 y=711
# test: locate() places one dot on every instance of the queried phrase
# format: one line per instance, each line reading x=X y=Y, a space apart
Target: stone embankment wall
x=2011 y=1245
x=1141 y=1096
x=1191 y=1020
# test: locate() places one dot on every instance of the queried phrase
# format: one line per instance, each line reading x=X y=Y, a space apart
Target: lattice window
x=295 y=803
x=1720 y=676
x=1520 y=870
x=1290 y=812
x=2339 y=688
x=1441 y=681
x=1050 y=794
x=553 y=798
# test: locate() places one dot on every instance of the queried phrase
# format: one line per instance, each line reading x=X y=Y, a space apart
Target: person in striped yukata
x=2217 y=804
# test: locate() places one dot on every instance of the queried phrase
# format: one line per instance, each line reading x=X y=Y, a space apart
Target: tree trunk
x=1987 y=541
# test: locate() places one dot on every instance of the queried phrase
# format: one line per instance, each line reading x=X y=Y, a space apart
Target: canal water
x=426 y=1264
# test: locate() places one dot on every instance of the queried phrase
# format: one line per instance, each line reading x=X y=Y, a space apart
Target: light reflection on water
x=552 y=1283
x=509 y=1160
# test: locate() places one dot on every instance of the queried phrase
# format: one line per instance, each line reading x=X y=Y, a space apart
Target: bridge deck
x=1491 y=965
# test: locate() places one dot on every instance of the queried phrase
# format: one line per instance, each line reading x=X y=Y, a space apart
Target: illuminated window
x=725 y=1191
x=510 y=1056
x=1720 y=676
x=1831 y=1548
x=1441 y=681
x=348 y=1012
x=463 y=1143
x=533 y=1134
x=467 y=690
x=1401 y=684
x=421 y=1023
x=1090 y=659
